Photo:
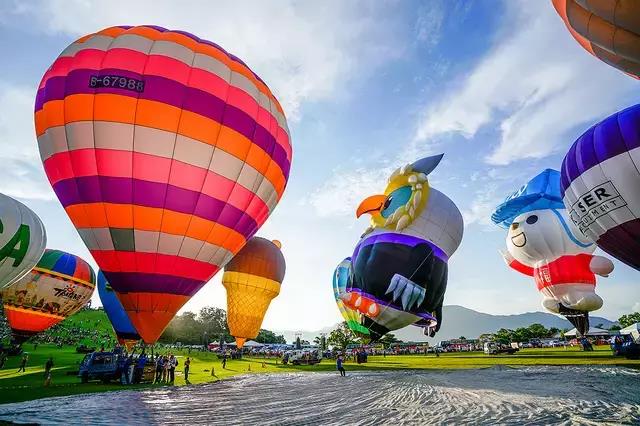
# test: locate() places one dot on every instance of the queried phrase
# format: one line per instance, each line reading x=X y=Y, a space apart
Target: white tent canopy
x=593 y=331
x=633 y=329
x=252 y=344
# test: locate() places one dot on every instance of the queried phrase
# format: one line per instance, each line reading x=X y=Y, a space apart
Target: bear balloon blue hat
x=540 y=193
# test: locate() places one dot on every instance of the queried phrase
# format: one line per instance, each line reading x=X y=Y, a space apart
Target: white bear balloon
x=543 y=243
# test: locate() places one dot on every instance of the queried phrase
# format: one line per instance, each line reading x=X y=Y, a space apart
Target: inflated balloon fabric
x=167 y=153
x=252 y=279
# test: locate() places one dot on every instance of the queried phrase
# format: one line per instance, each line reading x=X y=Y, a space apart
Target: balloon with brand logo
x=125 y=331
x=22 y=240
x=601 y=185
x=167 y=152
x=341 y=281
x=544 y=244
x=608 y=29
x=252 y=279
x=57 y=287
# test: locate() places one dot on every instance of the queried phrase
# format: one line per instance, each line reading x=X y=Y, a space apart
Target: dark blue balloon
x=116 y=313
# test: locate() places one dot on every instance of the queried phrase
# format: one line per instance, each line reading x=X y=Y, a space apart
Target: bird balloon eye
x=532 y=219
x=387 y=202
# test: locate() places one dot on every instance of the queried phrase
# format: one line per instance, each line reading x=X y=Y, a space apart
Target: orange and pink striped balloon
x=168 y=154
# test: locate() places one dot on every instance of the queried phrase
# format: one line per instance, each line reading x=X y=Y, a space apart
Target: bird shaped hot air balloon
x=608 y=29
x=125 y=331
x=341 y=281
x=399 y=267
x=252 y=279
x=57 y=287
x=600 y=185
x=22 y=240
x=167 y=153
x=544 y=244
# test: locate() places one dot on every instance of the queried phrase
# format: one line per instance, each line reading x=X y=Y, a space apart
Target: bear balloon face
x=545 y=235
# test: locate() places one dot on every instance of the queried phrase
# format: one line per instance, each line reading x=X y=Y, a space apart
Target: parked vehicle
x=304 y=357
x=99 y=366
x=494 y=348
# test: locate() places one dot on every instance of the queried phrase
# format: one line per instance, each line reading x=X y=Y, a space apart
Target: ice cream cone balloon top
x=22 y=240
x=399 y=267
x=57 y=287
x=167 y=153
x=342 y=281
x=252 y=279
x=543 y=243
x=124 y=329
x=601 y=184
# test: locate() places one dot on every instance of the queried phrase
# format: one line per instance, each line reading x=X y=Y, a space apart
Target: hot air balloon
x=252 y=279
x=57 y=287
x=600 y=185
x=167 y=153
x=543 y=243
x=608 y=29
x=399 y=267
x=125 y=331
x=22 y=240
x=341 y=281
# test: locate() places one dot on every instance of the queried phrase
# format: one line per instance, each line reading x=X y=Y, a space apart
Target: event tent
x=633 y=330
x=593 y=332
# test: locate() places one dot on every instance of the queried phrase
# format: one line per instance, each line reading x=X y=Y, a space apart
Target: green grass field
x=16 y=387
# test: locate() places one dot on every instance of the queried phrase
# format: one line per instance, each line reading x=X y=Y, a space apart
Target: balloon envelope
x=22 y=240
x=59 y=286
x=601 y=184
x=167 y=153
x=125 y=331
x=609 y=30
x=252 y=279
x=341 y=281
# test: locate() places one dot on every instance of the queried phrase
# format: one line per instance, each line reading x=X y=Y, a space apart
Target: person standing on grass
x=224 y=361
x=159 y=368
x=23 y=363
x=3 y=359
x=187 y=364
x=173 y=363
x=48 y=366
x=340 y=367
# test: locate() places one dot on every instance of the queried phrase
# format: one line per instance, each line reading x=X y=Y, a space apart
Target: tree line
x=209 y=325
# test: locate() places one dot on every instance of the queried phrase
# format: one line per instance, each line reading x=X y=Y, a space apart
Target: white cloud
x=535 y=85
x=305 y=51
x=636 y=307
x=23 y=175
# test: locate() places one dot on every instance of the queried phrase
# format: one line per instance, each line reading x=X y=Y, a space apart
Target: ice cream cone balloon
x=252 y=279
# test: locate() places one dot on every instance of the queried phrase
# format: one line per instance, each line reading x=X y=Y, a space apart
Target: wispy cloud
x=534 y=86
x=22 y=172
x=305 y=51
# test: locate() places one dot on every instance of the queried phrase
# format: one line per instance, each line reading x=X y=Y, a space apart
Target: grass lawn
x=16 y=387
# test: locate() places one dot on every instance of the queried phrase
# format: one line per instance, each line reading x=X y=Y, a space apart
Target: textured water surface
x=500 y=395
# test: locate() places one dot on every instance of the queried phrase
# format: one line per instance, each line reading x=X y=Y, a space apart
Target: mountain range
x=460 y=321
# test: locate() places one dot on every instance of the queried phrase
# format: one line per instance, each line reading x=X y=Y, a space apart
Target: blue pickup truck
x=102 y=366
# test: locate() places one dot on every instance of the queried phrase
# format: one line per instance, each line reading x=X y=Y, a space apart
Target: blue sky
x=500 y=87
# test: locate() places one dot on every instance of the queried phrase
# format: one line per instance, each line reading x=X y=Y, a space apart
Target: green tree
x=267 y=336
x=341 y=336
x=627 y=320
x=388 y=339
x=504 y=335
x=615 y=327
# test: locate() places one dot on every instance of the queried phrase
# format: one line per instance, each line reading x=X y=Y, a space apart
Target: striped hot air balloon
x=608 y=29
x=168 y=154
x=340 y=285
x=59 y=286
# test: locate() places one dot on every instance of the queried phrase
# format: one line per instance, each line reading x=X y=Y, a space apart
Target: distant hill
x=460 y=321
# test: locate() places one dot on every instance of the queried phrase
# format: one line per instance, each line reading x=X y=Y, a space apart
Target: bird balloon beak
x=371 y=205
